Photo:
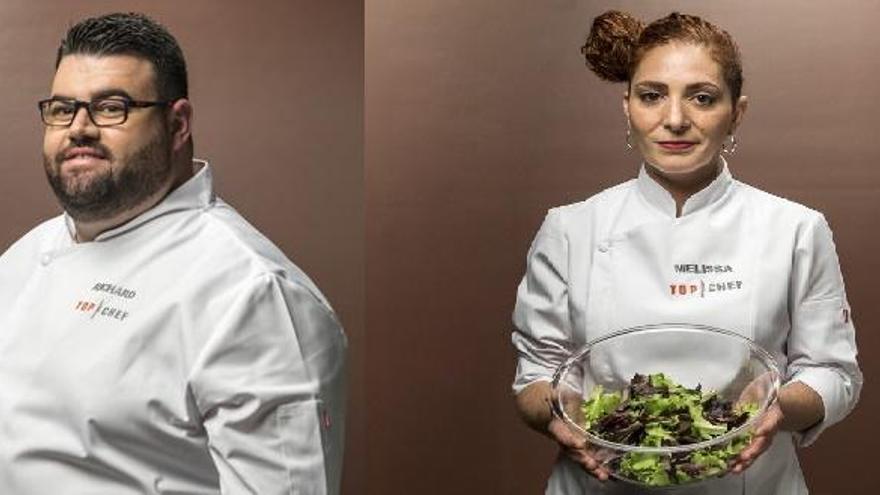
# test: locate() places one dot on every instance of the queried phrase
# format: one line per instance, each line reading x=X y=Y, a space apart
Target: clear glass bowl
x=717 y=360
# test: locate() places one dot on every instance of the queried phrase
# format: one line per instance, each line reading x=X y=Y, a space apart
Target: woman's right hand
x=534 y=404
x=576 y=448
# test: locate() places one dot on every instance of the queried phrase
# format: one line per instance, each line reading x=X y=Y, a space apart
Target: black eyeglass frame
x=128 y=104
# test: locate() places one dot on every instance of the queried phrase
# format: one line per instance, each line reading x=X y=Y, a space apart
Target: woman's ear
x=739 y=111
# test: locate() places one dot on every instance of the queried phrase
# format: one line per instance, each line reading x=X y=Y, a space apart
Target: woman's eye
x=649 y=97
x=704 y=99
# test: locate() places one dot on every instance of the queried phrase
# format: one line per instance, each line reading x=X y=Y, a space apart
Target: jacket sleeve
x=269 y=384
x=542 y=327
x=821 y=345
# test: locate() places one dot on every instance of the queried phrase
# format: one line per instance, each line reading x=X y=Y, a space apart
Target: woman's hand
x=575 y=448
x=761 y=439
x=535 y=407
x=798 y=408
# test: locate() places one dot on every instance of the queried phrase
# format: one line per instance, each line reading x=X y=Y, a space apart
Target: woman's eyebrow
x=650 y=84
x=688 y=90
x=702 y=85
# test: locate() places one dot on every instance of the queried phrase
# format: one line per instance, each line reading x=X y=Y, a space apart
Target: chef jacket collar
x=195 y=193
x=660 y=198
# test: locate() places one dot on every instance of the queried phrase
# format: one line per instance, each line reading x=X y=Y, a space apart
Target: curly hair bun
x=610 y=46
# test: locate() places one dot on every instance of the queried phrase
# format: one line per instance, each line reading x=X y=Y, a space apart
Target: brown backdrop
x=480 y=116
x=278 y=94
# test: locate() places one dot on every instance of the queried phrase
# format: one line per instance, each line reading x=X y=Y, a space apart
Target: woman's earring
x=629 y=145
x=732 y=149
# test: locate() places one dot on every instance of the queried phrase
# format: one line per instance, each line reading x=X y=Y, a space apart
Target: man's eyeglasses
x=104 y=112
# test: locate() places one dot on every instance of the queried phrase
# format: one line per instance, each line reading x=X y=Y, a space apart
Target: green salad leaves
x=655 y=411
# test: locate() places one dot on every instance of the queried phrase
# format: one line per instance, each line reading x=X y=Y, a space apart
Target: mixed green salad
x=655 y=411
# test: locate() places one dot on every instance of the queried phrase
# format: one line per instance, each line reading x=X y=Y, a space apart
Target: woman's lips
x=676 y=145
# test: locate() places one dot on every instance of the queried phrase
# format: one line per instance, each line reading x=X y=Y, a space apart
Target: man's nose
x=82 y=125
x=677 y=120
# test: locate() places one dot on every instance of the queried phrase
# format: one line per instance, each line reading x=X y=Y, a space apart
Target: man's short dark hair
x=131 y=34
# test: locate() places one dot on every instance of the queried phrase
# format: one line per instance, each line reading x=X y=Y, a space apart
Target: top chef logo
x=703 y=286
x=108 y=306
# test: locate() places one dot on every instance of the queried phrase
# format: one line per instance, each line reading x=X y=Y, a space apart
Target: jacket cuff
x=529 y=374
x=826 y=383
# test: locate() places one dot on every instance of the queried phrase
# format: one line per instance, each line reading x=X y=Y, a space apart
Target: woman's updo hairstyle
x=618 y=41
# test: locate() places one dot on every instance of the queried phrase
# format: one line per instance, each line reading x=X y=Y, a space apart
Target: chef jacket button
x=603 y=248
x=46 y=259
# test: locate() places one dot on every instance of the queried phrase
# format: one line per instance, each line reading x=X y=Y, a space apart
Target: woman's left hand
x=761 y=439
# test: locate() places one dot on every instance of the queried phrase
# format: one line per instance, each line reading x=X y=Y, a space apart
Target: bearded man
x=152 y=340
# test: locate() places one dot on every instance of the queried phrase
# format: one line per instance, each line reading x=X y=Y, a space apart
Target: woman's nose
x=676 y=118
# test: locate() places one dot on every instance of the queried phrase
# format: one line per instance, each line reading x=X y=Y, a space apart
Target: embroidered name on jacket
x=715 y=279
x=108 y=302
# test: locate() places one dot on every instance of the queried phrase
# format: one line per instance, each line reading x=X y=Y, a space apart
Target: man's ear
x=180 y=117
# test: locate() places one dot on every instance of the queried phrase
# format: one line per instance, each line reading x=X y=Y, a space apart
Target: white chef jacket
x=179 y=353
x=737 y=258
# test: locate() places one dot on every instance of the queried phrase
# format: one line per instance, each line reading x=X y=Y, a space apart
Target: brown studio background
x=480 y=115
x=278 y=94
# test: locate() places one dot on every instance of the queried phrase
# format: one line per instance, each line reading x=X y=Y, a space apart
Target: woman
x=615 y=260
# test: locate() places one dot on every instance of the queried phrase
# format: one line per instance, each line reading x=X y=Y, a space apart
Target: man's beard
x=116 y=189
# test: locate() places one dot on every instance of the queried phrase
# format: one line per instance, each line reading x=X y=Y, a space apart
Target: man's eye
x=60 y=109
x=110 y=107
